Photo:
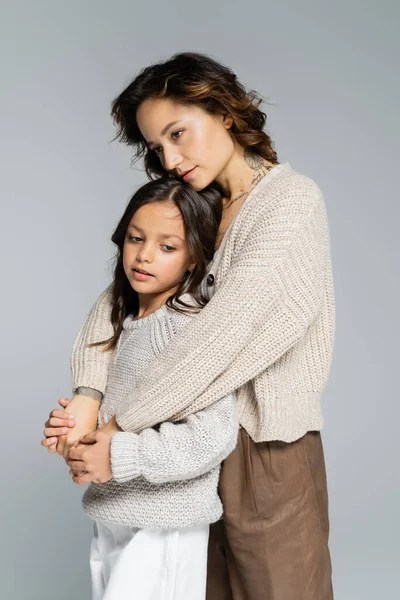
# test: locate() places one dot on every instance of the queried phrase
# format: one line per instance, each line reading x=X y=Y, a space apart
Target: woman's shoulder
x=290 y=185
x=285 y=196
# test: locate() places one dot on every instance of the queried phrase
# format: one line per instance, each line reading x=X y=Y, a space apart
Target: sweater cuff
x=86 y=391
x=90 y=374
x=125 y=456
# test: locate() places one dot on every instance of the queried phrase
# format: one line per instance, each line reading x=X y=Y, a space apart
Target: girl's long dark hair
x=201 y=213
x=195 y=79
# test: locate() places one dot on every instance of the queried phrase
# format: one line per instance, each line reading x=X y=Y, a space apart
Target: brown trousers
x=272 y=543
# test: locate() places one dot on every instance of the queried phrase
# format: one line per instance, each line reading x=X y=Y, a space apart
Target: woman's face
x=190 y=142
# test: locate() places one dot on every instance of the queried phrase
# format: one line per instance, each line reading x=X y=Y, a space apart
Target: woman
x=267 y=330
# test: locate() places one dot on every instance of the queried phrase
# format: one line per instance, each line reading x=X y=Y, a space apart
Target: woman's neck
x=241 y=173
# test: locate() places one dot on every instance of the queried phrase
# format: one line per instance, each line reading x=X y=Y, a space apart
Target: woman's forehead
x=156 y=116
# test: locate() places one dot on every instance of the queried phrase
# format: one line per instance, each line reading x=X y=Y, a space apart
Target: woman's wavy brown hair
x=195 y=79
x=201 y=213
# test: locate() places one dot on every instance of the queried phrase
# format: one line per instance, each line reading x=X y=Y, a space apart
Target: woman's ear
x=227 y=121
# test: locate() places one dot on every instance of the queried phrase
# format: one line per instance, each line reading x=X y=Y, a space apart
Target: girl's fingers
x=52 y=431
x=75 y=473
x=49 y=441
x=64 y=422
x=82 y=479
x=59 y=414
x=64 y=402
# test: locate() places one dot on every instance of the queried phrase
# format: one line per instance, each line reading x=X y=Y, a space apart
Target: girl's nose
x=145 y=254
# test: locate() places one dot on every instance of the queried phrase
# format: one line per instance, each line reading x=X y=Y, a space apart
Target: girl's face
x=156 y=254
x=190 y=142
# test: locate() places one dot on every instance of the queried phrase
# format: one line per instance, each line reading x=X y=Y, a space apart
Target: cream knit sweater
x=167 y=476
x=268 y=329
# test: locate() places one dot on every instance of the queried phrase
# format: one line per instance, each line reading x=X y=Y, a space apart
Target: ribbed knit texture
x=166 y=476
x=268 y=328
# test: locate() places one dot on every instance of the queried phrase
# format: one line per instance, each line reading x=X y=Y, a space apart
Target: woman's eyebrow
x=165 y=130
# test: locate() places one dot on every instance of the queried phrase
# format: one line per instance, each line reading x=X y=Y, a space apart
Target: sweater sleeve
x=89 y=365
x=177 y=451
x=271 y=294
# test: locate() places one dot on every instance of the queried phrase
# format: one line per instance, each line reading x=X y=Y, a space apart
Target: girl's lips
x=189 y=174
x=141 y=276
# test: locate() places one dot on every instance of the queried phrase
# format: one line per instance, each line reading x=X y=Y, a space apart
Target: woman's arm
x=270 y=296
x=177 y=451
x=89 y=364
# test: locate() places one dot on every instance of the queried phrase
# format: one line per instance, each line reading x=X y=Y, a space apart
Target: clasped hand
x=89 y=458
x=89 y=455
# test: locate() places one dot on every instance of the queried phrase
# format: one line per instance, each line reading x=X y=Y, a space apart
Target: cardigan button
x=210 y=279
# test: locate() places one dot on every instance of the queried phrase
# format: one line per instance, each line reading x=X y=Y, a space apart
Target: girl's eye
x=177 y=134
x=168 y=248
x=133 y=238
x=157 y=150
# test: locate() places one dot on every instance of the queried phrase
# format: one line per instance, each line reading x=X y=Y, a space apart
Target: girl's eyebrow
x=131 y=226
x=170 y=235
x=163 y=236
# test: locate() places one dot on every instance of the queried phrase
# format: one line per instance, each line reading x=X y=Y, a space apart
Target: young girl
x=156 y=491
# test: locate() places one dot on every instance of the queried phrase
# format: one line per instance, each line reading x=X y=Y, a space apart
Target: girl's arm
x=177 y=451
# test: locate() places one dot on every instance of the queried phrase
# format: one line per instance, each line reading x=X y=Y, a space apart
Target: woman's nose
x=172 y=159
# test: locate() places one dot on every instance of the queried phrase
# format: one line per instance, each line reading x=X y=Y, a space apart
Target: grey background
x=330 y=71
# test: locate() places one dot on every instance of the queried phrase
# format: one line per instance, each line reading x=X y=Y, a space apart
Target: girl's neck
x=149 y=303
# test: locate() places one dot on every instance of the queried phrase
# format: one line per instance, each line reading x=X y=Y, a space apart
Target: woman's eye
x=134 y=238
x=157 y=150
x=177 y=134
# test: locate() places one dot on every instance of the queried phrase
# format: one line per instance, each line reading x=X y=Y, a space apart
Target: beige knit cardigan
x=267 y=331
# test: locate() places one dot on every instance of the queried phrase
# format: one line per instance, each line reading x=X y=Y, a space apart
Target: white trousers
x=148 y=564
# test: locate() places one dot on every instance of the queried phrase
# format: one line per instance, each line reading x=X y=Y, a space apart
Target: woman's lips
x=189 y=174
x=141 y=276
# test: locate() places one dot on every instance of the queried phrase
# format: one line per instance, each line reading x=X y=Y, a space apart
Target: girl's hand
x=85 y=410
x=90 y=460
x=57 y=427
x=111 y=427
